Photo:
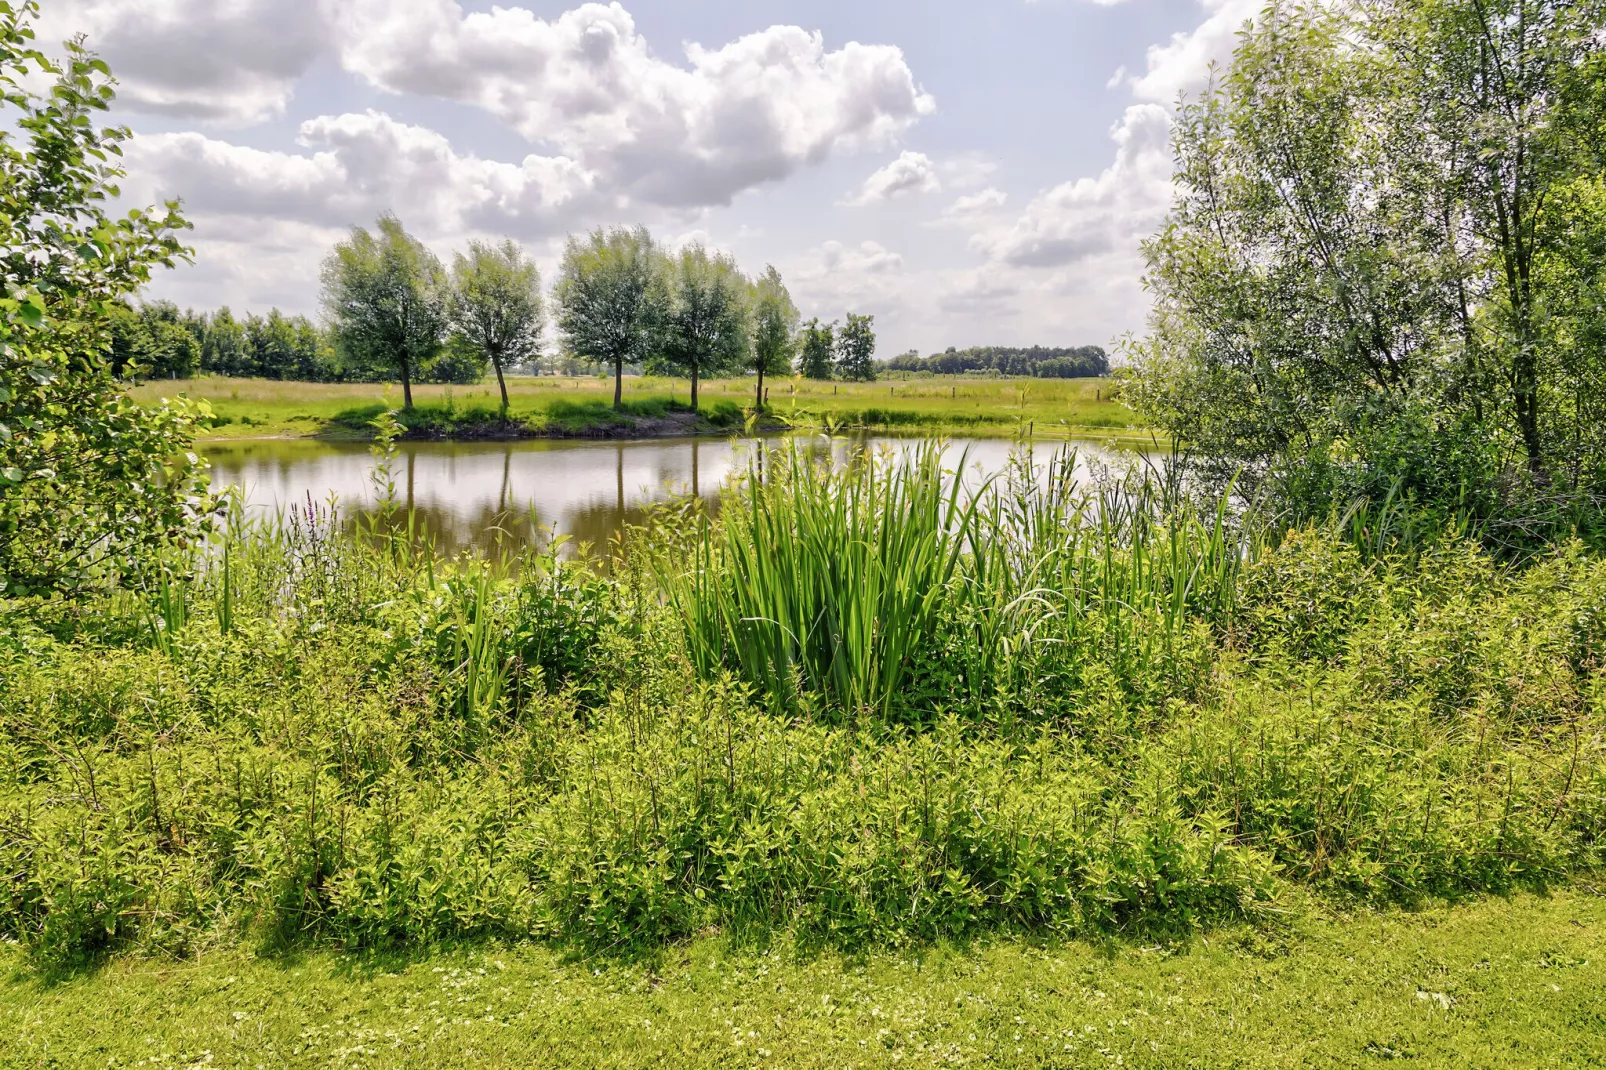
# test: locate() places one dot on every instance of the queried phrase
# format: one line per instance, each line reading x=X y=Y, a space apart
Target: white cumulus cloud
x=265 y=219
x=837 y=277
x=583 y=85
x=1089 y=216
x=977 y=205
x=912 y=172
x=1070 y=260
x=227 y=61
x=358 y=165
x=754 y=110
x=1182 y=64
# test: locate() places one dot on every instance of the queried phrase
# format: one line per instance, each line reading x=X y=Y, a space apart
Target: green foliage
x=1038 y=361
x=1371 y=280
x=90 y=483
x=705 y=321
x=888 y=589
x=153 y=341
x=612 y=298
x=1303 y=597
x=1049 y=708
x=855 y=350
x=496 y=306
x=286 y=347
x=386 y=298
x=460 y=362
x=817 y=351
x=168 y=343
x=774 y=320
x=824 y=579
x=224 y=346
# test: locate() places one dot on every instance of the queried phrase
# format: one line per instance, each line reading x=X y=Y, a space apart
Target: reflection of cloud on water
x=464 y=493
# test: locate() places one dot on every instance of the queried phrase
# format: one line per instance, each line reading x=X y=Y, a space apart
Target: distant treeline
x=169 y=343
x=1041 y=362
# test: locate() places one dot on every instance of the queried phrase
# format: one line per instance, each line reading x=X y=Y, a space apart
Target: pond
x=468 y=494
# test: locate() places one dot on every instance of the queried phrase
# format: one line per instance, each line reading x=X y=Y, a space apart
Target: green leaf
x=31 y=312
x=11 y=474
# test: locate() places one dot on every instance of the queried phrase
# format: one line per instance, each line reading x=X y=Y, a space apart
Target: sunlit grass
x=1501 y=983
x=257 y=408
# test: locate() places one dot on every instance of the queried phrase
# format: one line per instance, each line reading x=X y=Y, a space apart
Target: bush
x=1111 y=715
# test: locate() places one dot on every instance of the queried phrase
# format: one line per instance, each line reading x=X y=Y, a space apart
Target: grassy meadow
x=256 y=408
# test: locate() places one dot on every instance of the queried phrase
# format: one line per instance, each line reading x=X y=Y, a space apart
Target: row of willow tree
x=621 y=300
x=1384 y=272
x=94 y=487
x=396 y=312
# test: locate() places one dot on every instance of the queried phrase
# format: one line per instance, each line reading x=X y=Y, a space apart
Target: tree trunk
x=758 y=398
x=407 y=383
x=694 y=388
x=502 y=383
x=1517 y=261
x=1525 y=399
x=618 y=383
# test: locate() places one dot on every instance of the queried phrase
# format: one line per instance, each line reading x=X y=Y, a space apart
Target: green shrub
x=1301 y=598
x=1070 y=710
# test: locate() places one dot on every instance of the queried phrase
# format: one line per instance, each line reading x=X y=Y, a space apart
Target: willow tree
x=1351 y=290
x=611 y=299
x=705 y=326
x=773 y=319
x=496 y=305
x=386 y=298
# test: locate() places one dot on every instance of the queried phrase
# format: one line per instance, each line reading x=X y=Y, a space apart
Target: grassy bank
x=254 y=408
x=1500 y=983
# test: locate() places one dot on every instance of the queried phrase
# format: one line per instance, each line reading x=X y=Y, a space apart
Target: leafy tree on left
x=91 y=485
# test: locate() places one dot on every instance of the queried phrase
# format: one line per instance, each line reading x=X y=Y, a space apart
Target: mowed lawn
x=1497 y=983
x=256 y=408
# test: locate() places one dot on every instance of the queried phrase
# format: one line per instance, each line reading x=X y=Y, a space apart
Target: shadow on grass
x=1268 y=936
x=562 y=417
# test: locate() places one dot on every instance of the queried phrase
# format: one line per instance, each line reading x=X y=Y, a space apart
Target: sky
x=970 y=173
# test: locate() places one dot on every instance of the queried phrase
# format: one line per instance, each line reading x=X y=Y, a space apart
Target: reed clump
x=876 y=703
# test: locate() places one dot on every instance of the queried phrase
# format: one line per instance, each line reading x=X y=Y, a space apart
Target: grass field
x=1499 y=983
x=256 y=408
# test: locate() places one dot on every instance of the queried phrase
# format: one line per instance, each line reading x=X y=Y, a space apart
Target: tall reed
x=824 y=579
x=840 y=587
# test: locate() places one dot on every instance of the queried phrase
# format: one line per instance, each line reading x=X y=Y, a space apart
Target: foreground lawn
x=1519 y=983
x=257 y=408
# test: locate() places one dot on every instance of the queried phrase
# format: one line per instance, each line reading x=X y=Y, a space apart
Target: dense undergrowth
x=866 y=705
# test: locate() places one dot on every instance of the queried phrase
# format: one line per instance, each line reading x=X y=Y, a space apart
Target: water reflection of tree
x=496 y=517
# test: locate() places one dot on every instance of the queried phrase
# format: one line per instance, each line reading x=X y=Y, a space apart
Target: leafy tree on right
x=1382 y=271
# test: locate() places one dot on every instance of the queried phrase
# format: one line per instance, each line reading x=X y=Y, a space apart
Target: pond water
x=470 y=494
